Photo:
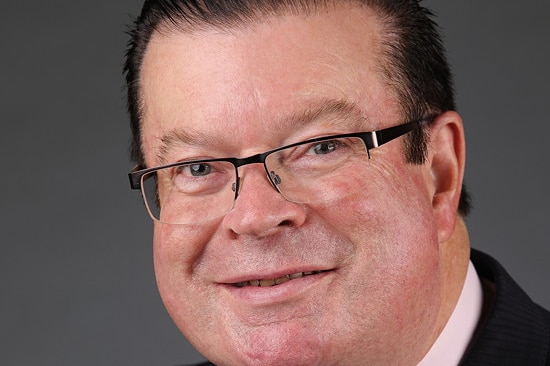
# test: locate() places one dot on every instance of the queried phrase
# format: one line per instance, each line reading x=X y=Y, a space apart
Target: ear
x=447 y=159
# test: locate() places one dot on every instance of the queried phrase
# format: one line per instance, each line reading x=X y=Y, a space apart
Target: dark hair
x=415 y=65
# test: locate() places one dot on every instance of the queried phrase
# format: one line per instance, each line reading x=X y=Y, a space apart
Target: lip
x=270 y=282
x=258 y=295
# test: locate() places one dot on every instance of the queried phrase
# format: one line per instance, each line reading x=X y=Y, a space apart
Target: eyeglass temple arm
x=135 y=179
x=387 y=134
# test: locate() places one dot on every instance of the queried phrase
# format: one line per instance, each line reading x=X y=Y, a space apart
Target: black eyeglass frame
x=372 y=139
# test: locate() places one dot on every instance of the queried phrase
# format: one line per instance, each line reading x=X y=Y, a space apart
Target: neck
x=454 y=257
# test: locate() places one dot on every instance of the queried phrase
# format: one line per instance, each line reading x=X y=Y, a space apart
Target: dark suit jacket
x=513 y=331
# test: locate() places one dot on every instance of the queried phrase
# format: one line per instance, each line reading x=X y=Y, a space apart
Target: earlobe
x=447 y=161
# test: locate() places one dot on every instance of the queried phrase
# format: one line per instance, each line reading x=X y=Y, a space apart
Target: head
x=415 y=64
x=237 y=78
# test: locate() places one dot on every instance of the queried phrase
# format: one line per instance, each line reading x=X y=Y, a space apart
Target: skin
x=394 y=250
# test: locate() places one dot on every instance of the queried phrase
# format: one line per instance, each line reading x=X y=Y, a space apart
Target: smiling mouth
x=275 y=281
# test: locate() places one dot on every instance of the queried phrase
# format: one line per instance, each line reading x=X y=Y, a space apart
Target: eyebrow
x=342 y=113
x=332 y=111
x=183 y=137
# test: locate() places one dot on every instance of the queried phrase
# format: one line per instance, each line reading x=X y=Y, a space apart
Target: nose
x=259 y=209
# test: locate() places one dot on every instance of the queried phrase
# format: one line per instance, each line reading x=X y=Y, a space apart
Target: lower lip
x=256 y=295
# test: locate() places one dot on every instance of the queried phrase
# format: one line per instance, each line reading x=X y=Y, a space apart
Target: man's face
x=248 y=90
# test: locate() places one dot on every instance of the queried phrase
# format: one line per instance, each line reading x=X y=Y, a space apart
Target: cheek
x=176 y=248
x=178 y=251
x=395 y=274
x=399 y=218
x=395 y=239
x=393 y=208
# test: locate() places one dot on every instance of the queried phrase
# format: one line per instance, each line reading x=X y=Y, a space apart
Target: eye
x=201 y=177
x=199 y=170
x=325 y=147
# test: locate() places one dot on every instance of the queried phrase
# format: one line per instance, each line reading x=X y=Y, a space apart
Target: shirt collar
x=451 y=344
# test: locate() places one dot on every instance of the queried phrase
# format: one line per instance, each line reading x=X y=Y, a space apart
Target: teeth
x=267 y=283
x=281 y=280
x=276 y=281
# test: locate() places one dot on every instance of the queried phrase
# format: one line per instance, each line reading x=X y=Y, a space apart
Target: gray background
x=76 y=277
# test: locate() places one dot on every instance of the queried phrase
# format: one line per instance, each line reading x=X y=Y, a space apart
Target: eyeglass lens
x=312 y=172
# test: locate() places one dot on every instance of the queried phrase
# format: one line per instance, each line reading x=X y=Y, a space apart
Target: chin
x=272 y=345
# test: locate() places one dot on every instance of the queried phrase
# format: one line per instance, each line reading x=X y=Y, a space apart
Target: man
x=303 y=164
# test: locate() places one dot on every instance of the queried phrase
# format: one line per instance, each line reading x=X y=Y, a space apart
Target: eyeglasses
x=312 y=171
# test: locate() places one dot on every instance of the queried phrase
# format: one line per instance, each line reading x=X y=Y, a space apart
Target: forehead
x=248 y=80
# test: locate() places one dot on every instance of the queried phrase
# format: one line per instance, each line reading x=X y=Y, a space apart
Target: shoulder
x=514 y=330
